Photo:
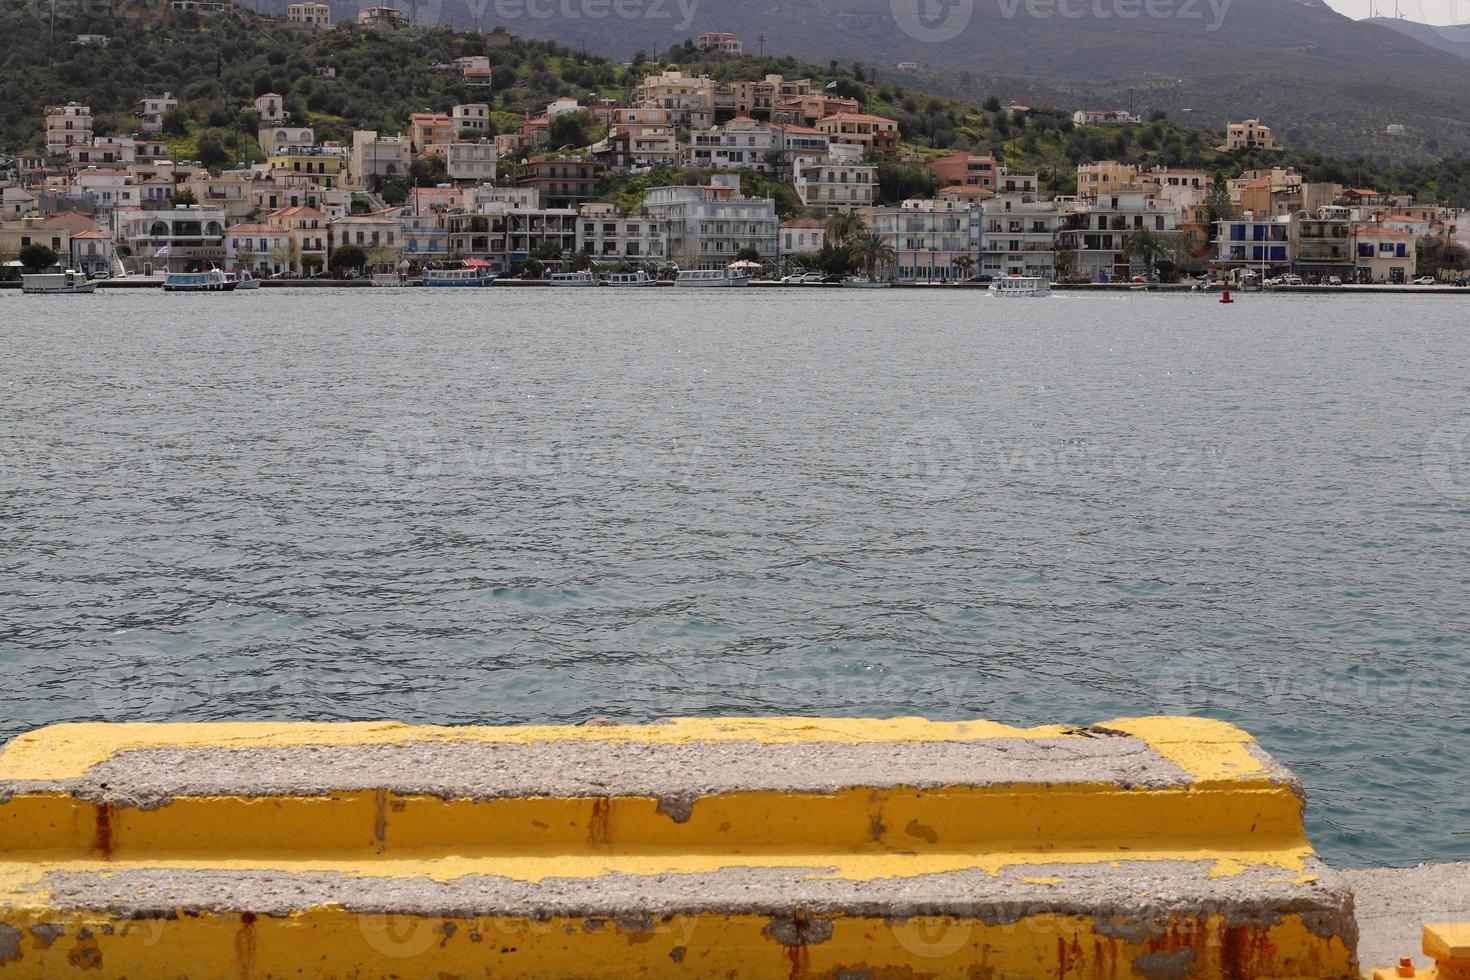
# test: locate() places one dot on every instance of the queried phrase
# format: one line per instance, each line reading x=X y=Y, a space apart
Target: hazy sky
x=1424 y=11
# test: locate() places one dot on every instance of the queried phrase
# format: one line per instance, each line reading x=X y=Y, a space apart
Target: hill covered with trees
x=351 y=78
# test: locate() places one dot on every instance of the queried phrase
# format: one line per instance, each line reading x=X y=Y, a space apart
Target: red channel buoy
x=1225 y=297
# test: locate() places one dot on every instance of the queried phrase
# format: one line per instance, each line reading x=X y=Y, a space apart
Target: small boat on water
x=1020 y=286
x=69 y=281
x=574 y=279
x=387 y=279
x=864 y=282
x=639 y=278
x=243 y=279
x=210 y=281
x=465 y=276
x=711 y=278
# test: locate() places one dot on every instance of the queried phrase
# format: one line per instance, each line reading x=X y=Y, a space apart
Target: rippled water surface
x=539 y=505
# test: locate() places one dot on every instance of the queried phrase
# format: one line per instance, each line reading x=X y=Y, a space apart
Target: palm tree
x=964 y=264
x=872 y=251
x=843 y=226
x=1148 y=247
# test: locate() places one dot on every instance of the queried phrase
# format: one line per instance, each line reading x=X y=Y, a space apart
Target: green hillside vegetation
x=1323 y=80
x=216 y=66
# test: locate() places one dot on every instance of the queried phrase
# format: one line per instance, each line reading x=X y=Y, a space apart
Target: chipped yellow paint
x=1203 y=747
x=330 y=942
x=990 y=827
x=1234 y=815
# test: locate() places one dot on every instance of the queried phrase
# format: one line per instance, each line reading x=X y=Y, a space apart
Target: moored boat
x=864 y=282
x=639 y=278
x=573 y=279
x=209 y=281
x=68 y=281
x=708 y=278
x=464 y=276
x=243 y=279
x=1020 y=286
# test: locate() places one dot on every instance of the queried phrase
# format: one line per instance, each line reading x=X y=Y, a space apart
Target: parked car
x=1291 y=279
x=1425 y=281
x=1332 y=281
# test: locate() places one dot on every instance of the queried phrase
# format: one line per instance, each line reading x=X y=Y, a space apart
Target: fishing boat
x=69 y=281
x=1020 y=286
x=574 y=279
x=639 y=278
x=390 y=279
x=210 y=281
x=464 y=276
x=243 y=279
x=864 y=282
x=710 y=278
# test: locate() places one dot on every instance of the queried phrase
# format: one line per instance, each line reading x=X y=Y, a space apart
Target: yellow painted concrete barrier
x=776 y=847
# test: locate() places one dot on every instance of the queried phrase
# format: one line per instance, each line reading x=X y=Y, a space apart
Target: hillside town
x=707 y=153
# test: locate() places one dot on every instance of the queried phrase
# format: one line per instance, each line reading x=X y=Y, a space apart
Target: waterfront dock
x=780 y=847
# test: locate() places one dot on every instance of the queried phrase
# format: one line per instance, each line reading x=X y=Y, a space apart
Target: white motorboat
x=639 y=278
x=243 y=279
x=69 y=281
x=574 y=279
x=864 y=282
x=210 y=281
x=1020 y=286
x=710 y=278
x=465 y=276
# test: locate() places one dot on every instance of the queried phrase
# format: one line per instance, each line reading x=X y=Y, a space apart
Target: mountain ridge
x=1259 y=60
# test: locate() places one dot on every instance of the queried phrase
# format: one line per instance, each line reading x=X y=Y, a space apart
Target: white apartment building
x=504 y=225
x=1096 y=233
x=103 y=151
x=67 y=125
x=742 y=142
x=690 y=98
x=376 y=157
x=472 y=116
x=310 y=16
x=832 y=187
x=801 y=236
x=263 y=249
x=91 y=252
x=470 y=161
x=274 y=139
x=612 y=237
x=707 y=226
x=379 y=233
x=1019 y=236
x=150 y=111
x=927 y=236
x=271 y=109
x=108 y=189
x=178 y=239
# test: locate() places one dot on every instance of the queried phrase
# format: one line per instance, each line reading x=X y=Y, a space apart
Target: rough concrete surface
x=1394 y=904
x=152 y=777
x=1130 y=901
